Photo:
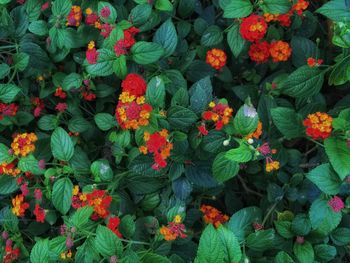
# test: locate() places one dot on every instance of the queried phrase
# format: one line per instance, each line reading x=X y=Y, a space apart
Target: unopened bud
x=226 y=142
x=5 y=235
x=250 y=141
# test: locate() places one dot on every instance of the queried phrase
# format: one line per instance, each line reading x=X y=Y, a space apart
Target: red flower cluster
x=105 y=12
x=259 y=52
x=39 y=106
x=98 y=199
x=336 y=204
x=219 y=113
x=134 y=84
x=278 y=50
x=300 y=6
x=283 y=19
x=318 y=125
x=312 y=62
x=11 y=253
x=157 y=144
x=9 y=110
x=10 y=168
x=173 y=230
x=74 y=17
x=39 y=213
x=106 y=29
x=122 y=46
x=19 y=205
x=253 y=28
x=92 y=18
x=113 y=224
x=216 y=58
x=211 y=215
x=60 y=93
x=91 y=53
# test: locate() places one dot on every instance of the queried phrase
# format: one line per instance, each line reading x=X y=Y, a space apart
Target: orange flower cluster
x=92 y=18
x=216 y=58
x=66 y=255
x=9 y=169
x=318 y=125
x=259 y=52
x=74 y=17
x=219 y=113
x=253 y=28
x=312 y=62
x=11 y=254
x=257 y=133
x=271 y=165
x=23 y=144
x=132 y=112
x=213 y=215
x=173 y=230
x=19 y=205
x=283 y=19
x=300 y=6
x=98 y=199
x=159 y=145
x=280 y=51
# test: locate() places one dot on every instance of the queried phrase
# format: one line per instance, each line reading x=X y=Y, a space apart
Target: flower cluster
x=283 y=19
x=313 y=62
x=92 y=18
x=19 y=205
x=336 y=204
x=318 y=125
x=113 y=224
x=216 y=58
x=11 y=253
x=23 y=144
x=253 y=28
x=257 y=133
x=9 y=110
x=91 y=53
x=174 y=229
x=220 y=114
x=122 y=46
x=60 y=93
x=74 y=17
x=211 y=215
x=279 y=51
x=134 y=84
x=271 y=165
x=98 y=199
x=10 y=168
x=39 y=106
x=157 y=144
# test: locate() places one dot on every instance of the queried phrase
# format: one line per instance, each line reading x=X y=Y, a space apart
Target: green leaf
x=325 y=253
x=164 y=5
x=61 y=145
x=275 y=6
x=113 y=13
x=303 y=82
x=107 y=243
x=127 y=226
x=155 y=93
x=78 y=124
x=30 y=164
x=104 y=64
x=242 y=154
x=288 y=122
x=284 y=228
x=341 y=72
x=105 y=121
x=8 y=184
x=283 y=257
x=241 y=222
x=230 y=243
x=39 y=28
x=72 y=81
x=62 y=193
x=21 y=61
x=8 y=92
x=119 y=67
x=166 y=36
x=301 y=225
x=5 y=157
x=146 y=52
x=213 y=142
x=322 y=217
x=61 y=7
x=181 y=117
x=152 y=258
x=245 y=123
x=48 y=122
x=140 y=14
x=201 y=95
x=40 y=252
x=261 y=240
x=210 y=249
x=336 y=10
x=235 y=40
x=236 y=8
x=341 y=236
x=304 y=252
x=326 y=179
x=102 y=170
x=223 y=168
x=4 y=70
x=339 y=155
x=81 y=217
x=212 y=36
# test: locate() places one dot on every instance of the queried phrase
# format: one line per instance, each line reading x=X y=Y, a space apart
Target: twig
x=247 y=189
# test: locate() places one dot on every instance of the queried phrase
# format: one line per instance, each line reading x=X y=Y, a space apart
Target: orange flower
x=257 y=133
x=219 y=113
x=259 y=52
x=19 y=206
x=300 y=6
x=23 y=144
x=280 y=51
x=216 y=58
x=74 y=17
x=270 y=17
x=100 y=202
x=132 y=112
x=271 y=165
x=9 y=169
x=253 y=28
x=213 y=215
x=318 y=125
x=174 y=229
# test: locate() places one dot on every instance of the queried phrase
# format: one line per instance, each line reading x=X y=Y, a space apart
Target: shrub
x=175 y=131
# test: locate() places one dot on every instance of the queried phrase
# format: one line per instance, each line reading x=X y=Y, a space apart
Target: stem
x=269 y=213
x=314 y=141
x=247 y=189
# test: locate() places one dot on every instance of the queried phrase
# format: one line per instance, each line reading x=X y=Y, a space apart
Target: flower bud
x=226 y=142
x=250 y=141
x=5 y=235
x=113 y=259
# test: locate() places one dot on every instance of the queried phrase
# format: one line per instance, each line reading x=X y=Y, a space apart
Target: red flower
x=134 y=84
x=61 y=107
x=105 y=12
x=92 y=56
x=39 y=106
x=113 y=223
x=284 y=20
x=259 y=52
x=202 y=129
x=318 y=125
x=121 y=46
x=8 y=110
x=280 y=51
x=312 y=62
x=253 y=28
x=100 y=202
x=216 y=58
x=39 y=213
x=60 y=93
x=45 y=6
x=38 y=194
x=106 y=29
x=336 y=204
x=90 y=19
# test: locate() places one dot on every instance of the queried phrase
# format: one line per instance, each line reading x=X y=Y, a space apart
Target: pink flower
x=336 y=204
x=264 y=149
x=92 y=55
x=300 y=240
x=61 y=107
x=105 y=12
x=106 y=29
x=45 y=6
x=38 y=194
x=258 y=226
x=69 y=242
x=24 y=189
x=41 y=164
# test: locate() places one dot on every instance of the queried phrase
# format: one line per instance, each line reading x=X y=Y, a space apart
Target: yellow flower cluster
x=272 y=165
x=23 y=144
